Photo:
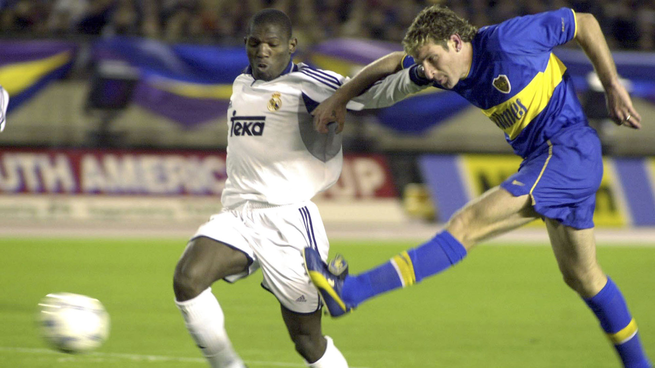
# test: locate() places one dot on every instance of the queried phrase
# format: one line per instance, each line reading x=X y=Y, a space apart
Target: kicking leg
x=317 y=350
x=575 y=251
x=205 y=261
x=495 y=212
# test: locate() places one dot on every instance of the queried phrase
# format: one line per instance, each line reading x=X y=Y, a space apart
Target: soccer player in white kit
x=276 y=162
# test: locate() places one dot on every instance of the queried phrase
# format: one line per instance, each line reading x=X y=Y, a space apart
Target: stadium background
x=115 y=147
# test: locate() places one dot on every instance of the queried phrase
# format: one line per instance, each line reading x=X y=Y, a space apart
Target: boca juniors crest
x=502 y=84
x=275 y=102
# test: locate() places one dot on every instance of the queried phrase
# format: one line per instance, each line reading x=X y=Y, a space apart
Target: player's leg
x=283 y=232
x=203 y=262
x=305 y=330
x=495 y=212
x=575 y=251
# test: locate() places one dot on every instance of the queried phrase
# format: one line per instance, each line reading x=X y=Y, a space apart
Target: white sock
x=332 y=358
x=206 y=323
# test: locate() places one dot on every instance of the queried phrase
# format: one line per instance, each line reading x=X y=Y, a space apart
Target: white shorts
x=273 y=237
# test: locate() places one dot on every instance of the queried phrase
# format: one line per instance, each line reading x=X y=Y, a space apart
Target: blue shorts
x=562 y=177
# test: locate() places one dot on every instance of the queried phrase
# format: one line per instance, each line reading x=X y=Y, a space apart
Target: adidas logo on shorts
x=301 y=299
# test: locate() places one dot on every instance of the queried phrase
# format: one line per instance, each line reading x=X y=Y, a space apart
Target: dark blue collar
x=291 y=68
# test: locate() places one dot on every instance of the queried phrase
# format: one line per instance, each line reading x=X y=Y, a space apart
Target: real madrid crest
x=501 y=83
x=275 y=102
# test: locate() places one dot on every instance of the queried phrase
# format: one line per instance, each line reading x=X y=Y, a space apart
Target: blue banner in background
x=26 y=67
x=189 y=84
x=192 y=84
x=637 y=68
x=197 y=64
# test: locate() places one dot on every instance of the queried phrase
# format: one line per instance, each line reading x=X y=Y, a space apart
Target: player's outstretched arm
x=590 y=37
x=333 y=110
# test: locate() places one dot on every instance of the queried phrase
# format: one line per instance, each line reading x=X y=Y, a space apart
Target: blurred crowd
x=628 y=24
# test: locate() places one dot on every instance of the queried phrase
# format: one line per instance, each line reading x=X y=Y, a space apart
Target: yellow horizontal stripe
x=405 y=268
x=625 y=334
x=195 y=90
x=17 y=77
x=513 y=115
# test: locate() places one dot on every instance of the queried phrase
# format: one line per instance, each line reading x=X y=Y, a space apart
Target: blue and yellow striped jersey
x=517 y=81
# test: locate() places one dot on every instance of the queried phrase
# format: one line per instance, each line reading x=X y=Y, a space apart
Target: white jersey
x=274 y=155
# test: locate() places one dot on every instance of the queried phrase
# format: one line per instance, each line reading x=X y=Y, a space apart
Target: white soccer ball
x=73 y=323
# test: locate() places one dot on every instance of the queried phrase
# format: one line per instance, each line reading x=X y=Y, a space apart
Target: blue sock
x=405 y=269
x=611 y=310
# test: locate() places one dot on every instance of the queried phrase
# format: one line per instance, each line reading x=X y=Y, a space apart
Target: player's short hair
x=436 y=24
x=271 y=16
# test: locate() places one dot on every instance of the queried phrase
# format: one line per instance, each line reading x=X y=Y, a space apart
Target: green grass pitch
x=504 y=307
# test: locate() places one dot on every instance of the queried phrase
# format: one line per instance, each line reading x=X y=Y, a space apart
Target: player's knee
x=309 y=347
x=586 y=284
x=571 y=280
x=187 y=283
x=459 y=226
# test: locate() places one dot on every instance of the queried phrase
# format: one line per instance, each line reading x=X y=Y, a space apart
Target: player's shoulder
x=306 y=68
x=517 y=32
x=532 y=22
x=321 y=77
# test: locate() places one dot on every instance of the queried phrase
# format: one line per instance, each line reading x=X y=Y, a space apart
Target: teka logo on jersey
x=247 y=125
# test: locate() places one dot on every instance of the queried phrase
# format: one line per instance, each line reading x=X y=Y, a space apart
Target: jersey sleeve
x=407 y=61
x=4 y=103
x=319 y=85
x=538 y=32
x=388 y=91
x=383 y=93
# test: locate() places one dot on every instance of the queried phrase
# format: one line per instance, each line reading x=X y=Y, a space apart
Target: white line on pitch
x=137 y=357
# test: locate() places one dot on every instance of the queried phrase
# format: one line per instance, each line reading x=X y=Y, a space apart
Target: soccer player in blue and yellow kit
x=509 y=71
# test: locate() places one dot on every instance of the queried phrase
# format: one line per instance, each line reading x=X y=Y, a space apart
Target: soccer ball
x=73 y=323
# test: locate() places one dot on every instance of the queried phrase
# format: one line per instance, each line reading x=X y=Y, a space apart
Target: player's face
x=269 y=51
x=445 y=66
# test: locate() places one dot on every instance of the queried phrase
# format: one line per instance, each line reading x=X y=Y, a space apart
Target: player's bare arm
x=333 y=110
x=590 y=37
